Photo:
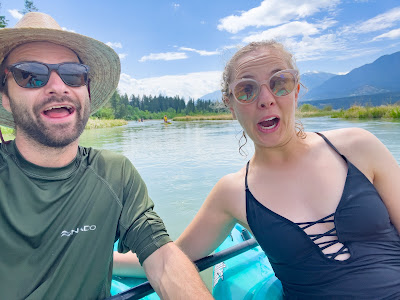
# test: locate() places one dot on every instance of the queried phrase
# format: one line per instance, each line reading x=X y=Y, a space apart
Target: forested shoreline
x=155 y=107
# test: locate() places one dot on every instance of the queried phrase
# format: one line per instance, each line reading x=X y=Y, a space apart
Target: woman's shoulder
x=231 y=185
x=349 y=140
x=360 y=147
x=233 y=180
x=229 y=193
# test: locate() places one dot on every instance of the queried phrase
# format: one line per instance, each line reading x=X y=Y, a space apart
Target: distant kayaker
x=324 y=207
x=62 y=205
x=165 y=119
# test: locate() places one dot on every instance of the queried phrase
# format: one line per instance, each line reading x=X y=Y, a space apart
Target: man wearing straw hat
x=63 y=206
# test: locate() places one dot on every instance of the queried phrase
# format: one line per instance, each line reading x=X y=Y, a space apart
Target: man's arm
x=173 y=276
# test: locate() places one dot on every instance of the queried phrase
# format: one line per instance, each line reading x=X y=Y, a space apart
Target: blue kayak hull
x=247 y=276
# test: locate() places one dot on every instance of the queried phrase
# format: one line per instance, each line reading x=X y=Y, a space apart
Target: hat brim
x=104 y=63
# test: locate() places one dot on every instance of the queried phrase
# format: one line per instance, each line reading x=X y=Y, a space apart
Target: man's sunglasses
x=280 y=84
x=31 y=74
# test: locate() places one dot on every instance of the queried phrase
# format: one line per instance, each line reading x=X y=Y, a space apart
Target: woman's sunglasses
x=32 y=74
x=280 y=84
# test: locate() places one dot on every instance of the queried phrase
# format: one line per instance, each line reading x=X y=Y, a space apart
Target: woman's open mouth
x=268 y=124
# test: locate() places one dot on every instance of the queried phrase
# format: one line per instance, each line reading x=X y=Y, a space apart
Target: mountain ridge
x=380 y=77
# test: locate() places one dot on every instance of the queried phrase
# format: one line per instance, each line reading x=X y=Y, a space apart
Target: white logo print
x=73 y=231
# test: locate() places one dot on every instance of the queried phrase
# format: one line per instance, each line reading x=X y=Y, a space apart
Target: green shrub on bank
x=8 y=133
x=307 y=108
x=369 y=112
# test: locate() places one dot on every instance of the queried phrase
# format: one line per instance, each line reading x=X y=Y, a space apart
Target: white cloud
x=15 y=14
x=357 y=52
x=393 y=34
x=191 y=85
x=201 y=52
x=229 y=47
x=164 y=56
x=314 y=48
x=176 y=6
x=66 y=29
x=122 y=55
x=274 y=12
x=114 y=45
x=289 y=30
x=382 y=21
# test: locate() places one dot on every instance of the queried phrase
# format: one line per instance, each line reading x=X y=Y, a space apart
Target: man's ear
x=6 y=102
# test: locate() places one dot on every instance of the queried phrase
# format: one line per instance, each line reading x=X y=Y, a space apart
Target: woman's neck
x=287 y=152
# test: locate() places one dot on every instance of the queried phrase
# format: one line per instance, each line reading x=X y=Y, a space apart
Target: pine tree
x=29 y=7
x=3 y=21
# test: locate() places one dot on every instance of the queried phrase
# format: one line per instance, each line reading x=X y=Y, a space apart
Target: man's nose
x=56 y=85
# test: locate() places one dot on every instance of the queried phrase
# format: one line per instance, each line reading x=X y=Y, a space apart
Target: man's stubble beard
x=54 y=135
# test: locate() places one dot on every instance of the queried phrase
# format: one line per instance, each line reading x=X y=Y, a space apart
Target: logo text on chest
x=77 y=230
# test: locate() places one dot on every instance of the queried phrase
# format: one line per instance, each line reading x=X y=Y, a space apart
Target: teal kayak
x=120 y=284
x=248 y=276
x=242 y=272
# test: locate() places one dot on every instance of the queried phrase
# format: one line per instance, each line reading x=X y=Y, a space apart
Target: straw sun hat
x=104 y=63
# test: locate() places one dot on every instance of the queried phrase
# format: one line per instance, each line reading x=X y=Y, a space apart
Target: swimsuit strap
x=245 y=178
x=330 y=144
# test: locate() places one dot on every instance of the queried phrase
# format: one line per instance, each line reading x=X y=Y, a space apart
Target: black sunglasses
x=31 y=74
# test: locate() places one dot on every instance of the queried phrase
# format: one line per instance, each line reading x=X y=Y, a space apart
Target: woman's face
x=269 y=120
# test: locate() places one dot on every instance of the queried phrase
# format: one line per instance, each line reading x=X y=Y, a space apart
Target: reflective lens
x=36 y=75
x=280 y=84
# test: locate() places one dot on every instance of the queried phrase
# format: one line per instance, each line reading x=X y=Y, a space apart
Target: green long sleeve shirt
x=58 y=225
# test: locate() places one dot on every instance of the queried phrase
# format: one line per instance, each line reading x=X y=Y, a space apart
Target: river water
x=182 y=161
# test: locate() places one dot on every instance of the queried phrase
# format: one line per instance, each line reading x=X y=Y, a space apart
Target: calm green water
x=181 y=162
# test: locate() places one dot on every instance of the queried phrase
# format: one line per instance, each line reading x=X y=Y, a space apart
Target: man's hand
x=173 y=275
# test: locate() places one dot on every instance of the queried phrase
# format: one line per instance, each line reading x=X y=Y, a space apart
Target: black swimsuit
x=360 y=224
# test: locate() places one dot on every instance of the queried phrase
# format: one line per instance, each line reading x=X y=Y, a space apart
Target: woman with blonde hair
x=324 y=207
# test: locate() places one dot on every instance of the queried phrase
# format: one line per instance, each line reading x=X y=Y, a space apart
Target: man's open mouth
x=59 y=111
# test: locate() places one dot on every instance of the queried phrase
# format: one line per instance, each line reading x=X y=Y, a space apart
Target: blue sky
x=181 y=47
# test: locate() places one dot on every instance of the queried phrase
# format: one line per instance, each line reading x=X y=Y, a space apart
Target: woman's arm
x=213 y=222
x=386 y=178
x=127 y=264
x=372 y=157
x=209 y=228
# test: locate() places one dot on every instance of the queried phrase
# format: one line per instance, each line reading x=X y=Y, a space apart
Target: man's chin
x=54 y=136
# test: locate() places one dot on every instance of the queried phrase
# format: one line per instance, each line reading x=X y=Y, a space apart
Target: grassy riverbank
x=93 y=123
x=8 y=133
x=204 y=117
x=308 y=111
x=388 y=112
x=102 y=123
x=369 y=112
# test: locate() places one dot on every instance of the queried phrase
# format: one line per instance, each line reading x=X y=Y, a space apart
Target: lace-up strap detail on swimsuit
x=323 y=231
x=327 y=239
